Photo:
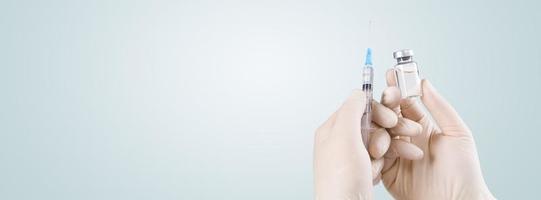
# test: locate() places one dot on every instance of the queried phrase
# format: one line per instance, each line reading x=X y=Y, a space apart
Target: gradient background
x=220 y=99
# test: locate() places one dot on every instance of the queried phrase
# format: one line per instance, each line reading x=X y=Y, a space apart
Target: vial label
x=408 y=80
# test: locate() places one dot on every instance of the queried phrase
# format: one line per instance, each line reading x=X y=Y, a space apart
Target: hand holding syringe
x=368 y=79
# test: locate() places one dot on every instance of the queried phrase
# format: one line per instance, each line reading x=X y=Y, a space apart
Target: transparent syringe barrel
x=367 y=75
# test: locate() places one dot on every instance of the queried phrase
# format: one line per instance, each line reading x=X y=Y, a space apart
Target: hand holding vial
x=450 y=167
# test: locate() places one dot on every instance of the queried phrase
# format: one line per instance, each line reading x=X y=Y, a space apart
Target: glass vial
x=407 y=74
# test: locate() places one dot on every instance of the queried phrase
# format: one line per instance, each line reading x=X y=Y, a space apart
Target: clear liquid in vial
x=407 y=77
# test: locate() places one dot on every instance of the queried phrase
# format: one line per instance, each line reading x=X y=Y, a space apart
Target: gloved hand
x=450 y=167
x=343 y=168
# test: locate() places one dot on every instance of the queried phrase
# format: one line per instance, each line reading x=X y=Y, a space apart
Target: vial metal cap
x=403 y=53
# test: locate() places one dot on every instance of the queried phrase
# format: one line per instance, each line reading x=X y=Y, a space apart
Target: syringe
x=368 y=78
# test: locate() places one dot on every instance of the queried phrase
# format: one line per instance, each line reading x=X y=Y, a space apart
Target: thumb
x=443 y=113
x=348 y=119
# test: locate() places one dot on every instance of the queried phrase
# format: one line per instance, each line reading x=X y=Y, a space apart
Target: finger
x=407 y=150
x=391 y=97
x=390 y=158
x=376 y=180
x=389 y=173
x=393 y=101
x=411 y=108
x=390 y=166
x=383 y=116
x=391 y=77
x=349 y=116
x=379 y=143
x=445 y=115
x=406 y=127
x=377 y=166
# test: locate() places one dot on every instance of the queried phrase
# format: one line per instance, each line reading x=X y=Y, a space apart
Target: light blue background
x=219 y=99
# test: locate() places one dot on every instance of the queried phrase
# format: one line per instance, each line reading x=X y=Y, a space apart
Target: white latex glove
x=450 y=167
x=343 y=168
